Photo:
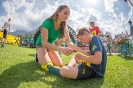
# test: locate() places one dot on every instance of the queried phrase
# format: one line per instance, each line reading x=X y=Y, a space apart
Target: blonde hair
x=82 y=30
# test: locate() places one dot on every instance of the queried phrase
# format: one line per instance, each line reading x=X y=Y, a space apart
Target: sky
x=108 y=15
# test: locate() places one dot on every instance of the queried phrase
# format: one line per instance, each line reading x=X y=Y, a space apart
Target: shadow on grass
x=119 y=55
x=126 y=57
x=69 y=83
x=31 y=72
x=19 y=73
x=31 y=55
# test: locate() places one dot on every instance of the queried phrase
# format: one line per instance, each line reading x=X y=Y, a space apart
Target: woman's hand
x=66 y=51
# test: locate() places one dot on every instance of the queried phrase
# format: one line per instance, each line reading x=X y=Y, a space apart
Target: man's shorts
x=5 y=33
x=85 y=72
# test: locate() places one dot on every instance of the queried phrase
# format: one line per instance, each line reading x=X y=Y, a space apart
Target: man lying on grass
x=83 y=71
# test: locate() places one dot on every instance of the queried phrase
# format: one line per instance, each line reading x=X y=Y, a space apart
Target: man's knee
x=63 y=71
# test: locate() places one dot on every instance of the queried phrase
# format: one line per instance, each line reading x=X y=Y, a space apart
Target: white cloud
x=8 y=6
x=94 y=15
x=117 y=8
x=29 y=5
x=88 y=3
x=18 y=3
x=75 y=20
x=109 y=5
x=75 y=15
x=122 y=18
x=130 y=14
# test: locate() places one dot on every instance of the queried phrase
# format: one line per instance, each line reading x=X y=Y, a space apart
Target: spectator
x=94 y=30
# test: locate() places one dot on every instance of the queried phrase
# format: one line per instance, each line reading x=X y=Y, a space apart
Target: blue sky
x=109 y=15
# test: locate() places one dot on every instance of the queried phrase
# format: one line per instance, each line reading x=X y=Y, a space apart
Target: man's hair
x=130 y=21
x=82 y=30
x=92 y=22
x=9 y=19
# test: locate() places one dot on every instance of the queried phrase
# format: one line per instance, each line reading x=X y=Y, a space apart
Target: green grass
x=19 y=70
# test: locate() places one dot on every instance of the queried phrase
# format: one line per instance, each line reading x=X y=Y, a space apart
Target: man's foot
x=54 y=70
x=2 y=44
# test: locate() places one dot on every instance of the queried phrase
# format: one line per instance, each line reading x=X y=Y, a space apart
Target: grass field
x=19 y=70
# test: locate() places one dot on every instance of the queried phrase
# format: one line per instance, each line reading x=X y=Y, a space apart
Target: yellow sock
x=45 y=66
x=56 y=66
x=86 y=63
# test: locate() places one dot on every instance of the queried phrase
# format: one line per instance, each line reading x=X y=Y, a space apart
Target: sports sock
x=54 y=70
x=45 y=66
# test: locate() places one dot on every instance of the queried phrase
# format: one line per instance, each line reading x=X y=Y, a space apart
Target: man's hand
x=78 y=57
x=2 y=28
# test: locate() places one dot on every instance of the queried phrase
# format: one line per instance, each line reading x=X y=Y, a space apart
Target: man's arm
x=131 y=30
x=98 y=31
x=72 y=46
x=95 y=59
x=3 y=26
x=9 y=29
x=58 y=42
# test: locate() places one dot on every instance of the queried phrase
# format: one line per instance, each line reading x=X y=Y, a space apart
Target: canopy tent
x=72 y=35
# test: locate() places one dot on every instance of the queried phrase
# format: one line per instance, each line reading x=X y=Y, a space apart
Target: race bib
x=93 y=32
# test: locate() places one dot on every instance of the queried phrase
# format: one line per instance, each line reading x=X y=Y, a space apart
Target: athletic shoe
x=45 y=66
x=54 y=70
x=2 y=44
x=36 y=59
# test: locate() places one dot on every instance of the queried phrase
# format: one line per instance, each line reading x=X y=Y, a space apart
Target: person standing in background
x=6 y=29
x=94 y=30
x=131 y=30
x=108 y=41
x=126 y=34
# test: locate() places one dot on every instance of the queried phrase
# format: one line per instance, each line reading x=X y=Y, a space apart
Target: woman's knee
x=60 y=64
x=42 y=56
x=55 y=58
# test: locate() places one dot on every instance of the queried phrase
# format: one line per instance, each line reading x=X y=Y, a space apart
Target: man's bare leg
x=72 y=62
